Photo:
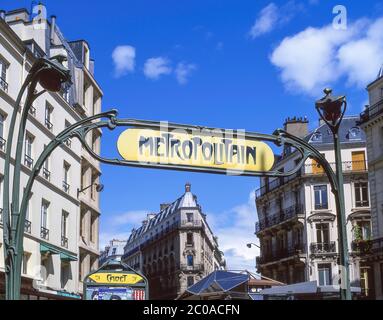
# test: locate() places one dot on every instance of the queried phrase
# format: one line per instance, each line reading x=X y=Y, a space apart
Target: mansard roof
x=349 y=132
x=187 y=200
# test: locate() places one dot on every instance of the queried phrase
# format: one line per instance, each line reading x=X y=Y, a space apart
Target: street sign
x=115 y=281
x=209 y=149
x=115 y=278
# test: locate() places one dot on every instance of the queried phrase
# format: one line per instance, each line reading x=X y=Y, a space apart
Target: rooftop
x=187 y=200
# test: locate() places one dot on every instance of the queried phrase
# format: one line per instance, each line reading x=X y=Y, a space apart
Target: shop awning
x=48 y=249
x=67 y=257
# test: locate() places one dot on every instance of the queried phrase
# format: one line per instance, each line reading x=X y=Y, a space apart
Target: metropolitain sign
x=218 y=150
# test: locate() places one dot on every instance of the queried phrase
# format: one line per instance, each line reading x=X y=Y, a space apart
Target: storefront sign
x=116 y=278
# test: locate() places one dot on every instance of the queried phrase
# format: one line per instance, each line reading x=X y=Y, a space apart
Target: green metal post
x=331 y=109
x=344 y=271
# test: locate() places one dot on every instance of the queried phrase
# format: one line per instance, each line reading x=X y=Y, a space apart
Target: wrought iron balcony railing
x=46 y=174
x=309 y=170
x=321 y=206
x=64 y=241
x=194 y=267
x=192 y=223
x=66 y=186
x=3 y=85
x=281 y=253
x=68 y=143
x=280 y=217
x=361 y=247
x=371 y=112
x=32 y=111
x=28 y=161
x=3 y=143
x=28 y=226
x=44 y=233
x=48 y=124
x=324 y=247
x=362 y=203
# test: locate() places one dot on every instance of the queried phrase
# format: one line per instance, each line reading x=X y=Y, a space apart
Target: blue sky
x=235 y=64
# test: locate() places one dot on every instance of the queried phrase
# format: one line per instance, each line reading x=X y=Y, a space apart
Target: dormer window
x=354 y=133
x=317 y=137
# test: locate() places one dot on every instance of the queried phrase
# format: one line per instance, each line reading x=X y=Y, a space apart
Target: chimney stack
x=2 y=14
x=187 y=187
x=297 y=126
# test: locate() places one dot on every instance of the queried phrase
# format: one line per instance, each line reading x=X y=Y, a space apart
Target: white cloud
x=119 y=226
x=235 y=229
x=266 y=21
x=318 y=57
x=272 y=16
x=124 y=59
x=183 y=71
x=155 y=67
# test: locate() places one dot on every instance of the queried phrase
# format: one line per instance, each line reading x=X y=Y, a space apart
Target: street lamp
x=249 y=245
x=331 y=110
x=51 y=75
x=99 y=188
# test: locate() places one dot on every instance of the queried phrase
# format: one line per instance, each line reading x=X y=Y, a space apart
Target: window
x=26 y=256
x=354 y=133
x=46 y=172
x=316 y=137
x=28 y=217
x=362 y=230
x=189 y=239
x=44 y=220
x=3 y=75
x=92 y=188
x=68 y=142
x=324 y=274
x=358 y=161
x=190 y=281
x=28 y=160
x=321 y=200
x=114 y=251
x=65 y=272
x=361 y=194
x=48 y=116
x=46 y=262
x=190 y=260
x=189 y=216
x=64 y=229
x=66 y=185
x=93 y=228
x=323 y=233
x=82 y=223
x=2 y=140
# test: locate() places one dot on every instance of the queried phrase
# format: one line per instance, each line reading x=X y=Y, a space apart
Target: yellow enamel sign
x=115 y=278
x=219 y=151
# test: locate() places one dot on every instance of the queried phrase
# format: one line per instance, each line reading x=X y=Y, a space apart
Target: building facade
x=372 y=123
x=297 y=226
x=174 y=248
x=113 y=251
x=61 y=231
